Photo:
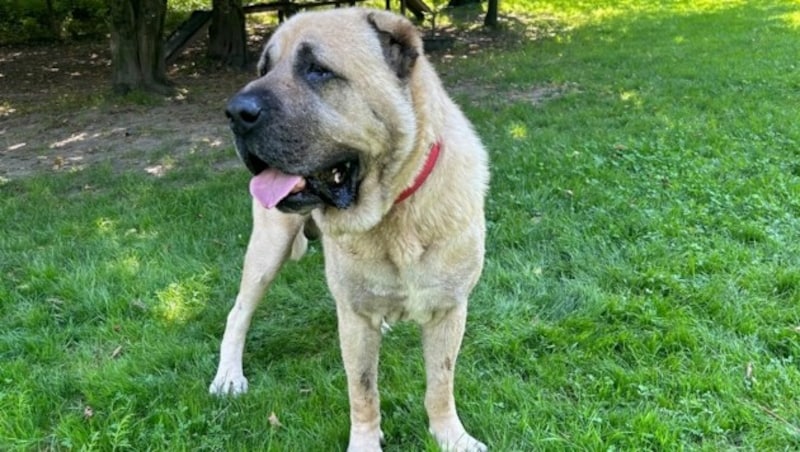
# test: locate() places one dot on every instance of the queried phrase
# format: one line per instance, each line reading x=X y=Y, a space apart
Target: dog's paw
x=464 y=443
x=366 y=441
x=228 y=384
x=457 y=440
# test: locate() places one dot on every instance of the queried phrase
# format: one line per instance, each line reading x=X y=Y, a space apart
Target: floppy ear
x=399 y=40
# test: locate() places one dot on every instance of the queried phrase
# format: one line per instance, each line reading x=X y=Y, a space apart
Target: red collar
x=433 y=155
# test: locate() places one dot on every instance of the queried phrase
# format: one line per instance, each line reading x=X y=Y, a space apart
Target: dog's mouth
x=335 y=185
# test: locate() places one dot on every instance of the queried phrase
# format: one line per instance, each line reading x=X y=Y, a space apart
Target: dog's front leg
x=360 y=341
x=441 y=341
x=270 y=244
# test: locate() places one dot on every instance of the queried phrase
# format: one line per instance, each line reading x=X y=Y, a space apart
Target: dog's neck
x=430 y=163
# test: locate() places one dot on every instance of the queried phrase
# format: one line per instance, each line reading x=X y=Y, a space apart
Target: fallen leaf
x=273 y=420
x=749 y=379
x=117 y=351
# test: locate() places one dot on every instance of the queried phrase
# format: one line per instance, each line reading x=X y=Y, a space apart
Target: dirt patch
x=56 y=114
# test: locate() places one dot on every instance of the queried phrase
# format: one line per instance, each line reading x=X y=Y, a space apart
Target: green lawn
x=641 y=288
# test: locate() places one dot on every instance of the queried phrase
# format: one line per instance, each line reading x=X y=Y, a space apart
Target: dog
x=349 y=134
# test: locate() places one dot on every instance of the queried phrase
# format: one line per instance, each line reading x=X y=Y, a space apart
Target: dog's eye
x=316 y=73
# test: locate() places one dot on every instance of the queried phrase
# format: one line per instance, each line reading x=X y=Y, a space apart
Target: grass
x=641 y=288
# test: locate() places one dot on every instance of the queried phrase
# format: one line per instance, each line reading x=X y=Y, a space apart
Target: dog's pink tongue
x=271 y=185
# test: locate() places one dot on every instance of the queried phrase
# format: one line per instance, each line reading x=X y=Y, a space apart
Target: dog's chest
x=390 y=279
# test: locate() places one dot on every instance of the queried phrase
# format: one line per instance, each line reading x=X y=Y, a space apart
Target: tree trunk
x=52 y=21
x=227 y=34
x=491 y=14
x=137 y=49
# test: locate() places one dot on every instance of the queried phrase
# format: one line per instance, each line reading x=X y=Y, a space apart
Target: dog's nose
x=244 y=111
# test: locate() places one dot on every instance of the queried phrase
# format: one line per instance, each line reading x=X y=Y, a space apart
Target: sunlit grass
x=518 y=131
x=793 y=19
x=181 y=301
x=581 y=13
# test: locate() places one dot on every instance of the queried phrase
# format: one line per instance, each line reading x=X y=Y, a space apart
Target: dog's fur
x=352 y=85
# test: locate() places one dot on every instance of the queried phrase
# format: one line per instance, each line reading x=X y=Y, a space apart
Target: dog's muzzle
x=332 y=181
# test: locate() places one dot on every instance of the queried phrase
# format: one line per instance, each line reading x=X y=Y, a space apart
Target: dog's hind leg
x=441 y=341
x=273 y=239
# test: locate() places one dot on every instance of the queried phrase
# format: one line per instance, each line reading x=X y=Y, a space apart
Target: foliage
x=43 y=20
x=640 y=292
x=179 y=10
x=33 y=20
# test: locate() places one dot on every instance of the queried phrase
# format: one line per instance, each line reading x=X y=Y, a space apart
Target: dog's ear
x=399 y=40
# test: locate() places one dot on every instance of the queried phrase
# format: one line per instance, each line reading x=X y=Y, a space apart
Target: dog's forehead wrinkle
x=306 y=54
x=313 y=53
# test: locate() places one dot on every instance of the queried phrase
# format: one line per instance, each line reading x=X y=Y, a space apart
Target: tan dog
x=348 y=128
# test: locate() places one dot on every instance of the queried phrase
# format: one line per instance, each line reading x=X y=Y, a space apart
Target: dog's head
x=330 y=108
